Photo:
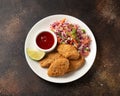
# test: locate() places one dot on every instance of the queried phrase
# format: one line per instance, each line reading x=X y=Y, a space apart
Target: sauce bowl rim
x=54 y=44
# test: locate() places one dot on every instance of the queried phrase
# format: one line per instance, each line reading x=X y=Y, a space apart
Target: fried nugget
x=46 y=62
x=76 y=64
x=59 y=67
x=68 y=51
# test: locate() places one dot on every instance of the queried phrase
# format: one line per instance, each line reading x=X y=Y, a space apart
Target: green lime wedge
x=35 y=54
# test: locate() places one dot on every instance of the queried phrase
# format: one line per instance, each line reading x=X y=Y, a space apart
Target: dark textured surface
x=16 y=19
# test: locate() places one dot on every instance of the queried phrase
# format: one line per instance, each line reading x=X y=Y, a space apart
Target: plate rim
x=71 y=20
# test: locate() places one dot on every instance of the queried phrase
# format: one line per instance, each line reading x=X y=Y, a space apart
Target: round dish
x=44 y=24
x=54 y=41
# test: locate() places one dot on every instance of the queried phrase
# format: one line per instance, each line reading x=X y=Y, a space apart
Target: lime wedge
x=35 y=54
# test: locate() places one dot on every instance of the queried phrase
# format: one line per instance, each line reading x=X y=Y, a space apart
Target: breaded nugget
x=50 y=57
x=76 y=64
x=68 y=51
x=59 y=67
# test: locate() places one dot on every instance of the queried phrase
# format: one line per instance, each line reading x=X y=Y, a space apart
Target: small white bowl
x=54 y=44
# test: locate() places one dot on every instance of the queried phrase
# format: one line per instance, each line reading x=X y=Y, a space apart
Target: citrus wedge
x=35 y=54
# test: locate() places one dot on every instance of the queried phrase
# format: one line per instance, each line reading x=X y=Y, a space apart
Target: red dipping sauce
x=45 y=40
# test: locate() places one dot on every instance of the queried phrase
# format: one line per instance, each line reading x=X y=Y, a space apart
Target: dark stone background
x=16 y=19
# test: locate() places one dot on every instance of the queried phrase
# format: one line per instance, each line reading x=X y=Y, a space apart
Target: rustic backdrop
x=16 y=19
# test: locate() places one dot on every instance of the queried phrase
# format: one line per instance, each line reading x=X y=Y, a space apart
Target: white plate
x=44 y=24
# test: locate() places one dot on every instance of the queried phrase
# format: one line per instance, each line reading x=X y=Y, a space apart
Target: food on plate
x=65 y=59
x=59 y=67
x=68 y=51
x=76 y=64
x=49 y=58
x=72 y=48
x=35 y=54
x=73 y=34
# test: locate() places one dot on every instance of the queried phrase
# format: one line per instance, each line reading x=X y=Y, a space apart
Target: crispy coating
x=65 y=59
x=76 y=64
x=46 y=62
x=68 y=51
x=59 y=67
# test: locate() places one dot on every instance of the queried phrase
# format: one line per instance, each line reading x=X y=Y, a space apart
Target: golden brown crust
x=76 y=64
x=68 y=51
x=59 y=67
x=62 y=61
x=46 y=62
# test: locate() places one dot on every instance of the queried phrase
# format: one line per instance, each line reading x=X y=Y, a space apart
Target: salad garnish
x=72 y=34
